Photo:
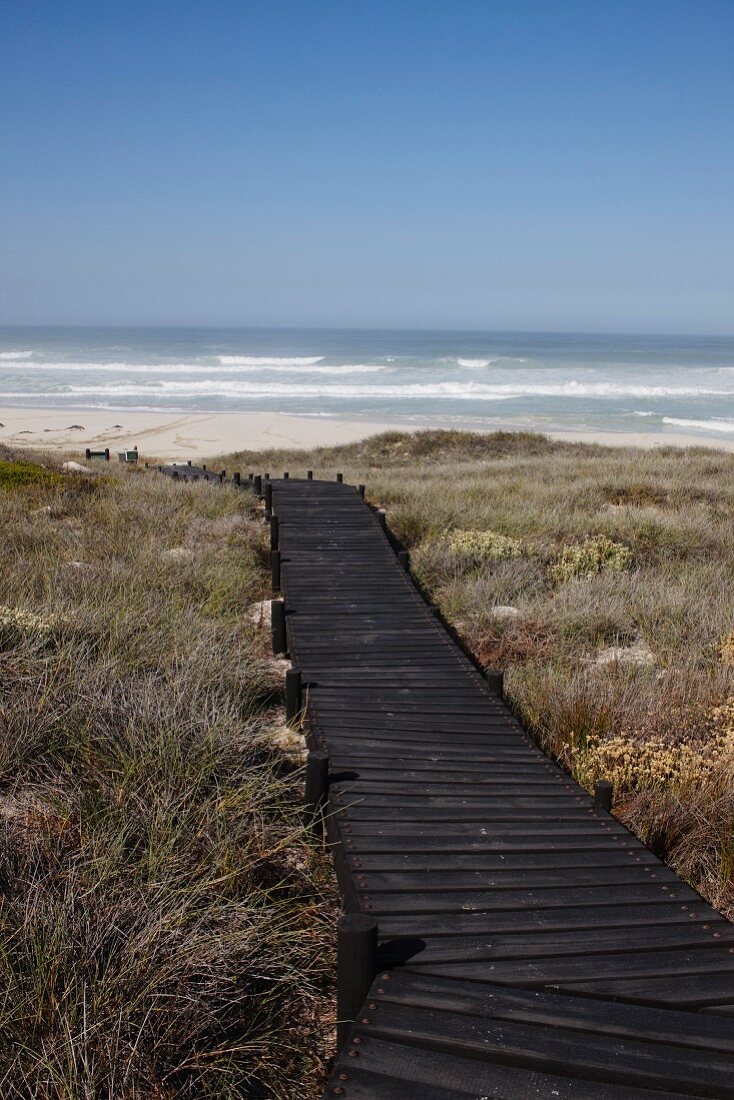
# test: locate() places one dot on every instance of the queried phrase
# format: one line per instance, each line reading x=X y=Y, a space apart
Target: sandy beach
x=176 y=436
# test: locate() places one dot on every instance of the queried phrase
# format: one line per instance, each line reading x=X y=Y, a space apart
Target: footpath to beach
x=504 y=935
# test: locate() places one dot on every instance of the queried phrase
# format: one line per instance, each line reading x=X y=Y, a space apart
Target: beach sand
x=177 y=436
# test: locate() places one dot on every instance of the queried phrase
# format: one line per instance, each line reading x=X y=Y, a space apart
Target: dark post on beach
x=495 y=681
x=274 y=532
x=603 y=795
x=356 y=967
x=317 y=785
x=277 y=623
x=275 y=570
x=293 y=694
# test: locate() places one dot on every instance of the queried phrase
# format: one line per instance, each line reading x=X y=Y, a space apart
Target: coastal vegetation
x=601 y=581
x=165 y=922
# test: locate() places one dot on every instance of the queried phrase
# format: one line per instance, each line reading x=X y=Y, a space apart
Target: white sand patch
x=637 y=655
x=259 y=613
x=505 y=612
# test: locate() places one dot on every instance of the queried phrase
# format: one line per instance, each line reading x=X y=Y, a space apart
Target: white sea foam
x=450 y=390
x=16 y=354
x=269 y=360
x=714 y=425
x=198 y=368
x=490 y=362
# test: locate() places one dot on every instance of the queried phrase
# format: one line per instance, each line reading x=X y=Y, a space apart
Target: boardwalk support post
x=277 y=623
x=286 y=475
x=356 y=965
x=404 y=559
x=237 y=478
x=275 y=570
x=317 y=786
x=495 y=681
x=274 y=533
x=268 y=494
x=293 y=694
x=340 y=478
x=361 y=491
x=382 y=518
x=257 y=485
x=309 y=475
x=603 y=795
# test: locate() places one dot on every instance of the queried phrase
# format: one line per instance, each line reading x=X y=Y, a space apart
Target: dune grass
x=601 y=580
x=165 y=923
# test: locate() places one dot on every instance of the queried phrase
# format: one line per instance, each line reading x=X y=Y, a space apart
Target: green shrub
x=19 y=474
x=481 y=546
x=590 y=557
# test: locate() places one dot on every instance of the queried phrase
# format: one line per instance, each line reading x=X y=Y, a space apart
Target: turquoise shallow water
x=539 y=381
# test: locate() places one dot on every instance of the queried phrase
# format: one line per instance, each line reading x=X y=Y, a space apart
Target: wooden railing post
x=495 y=681
x=361 y=491
x=293 y=694
x=317 y=786
x=404 y=559
x=277 y=625
x=257 y=484
x=237 y=478
x=309 y=475
x=340 y=478
x=268 y=496
x=274 y=533
x=275 y=570
x=603 y=791
x=356 y=968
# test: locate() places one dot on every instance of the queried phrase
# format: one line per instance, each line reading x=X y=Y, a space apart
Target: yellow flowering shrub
x=590 y=557
x=727 y=650
x=16 y=620
x=657 y=764
x=480 y=546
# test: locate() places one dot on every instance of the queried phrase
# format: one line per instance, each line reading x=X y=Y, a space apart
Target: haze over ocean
x=537 y=381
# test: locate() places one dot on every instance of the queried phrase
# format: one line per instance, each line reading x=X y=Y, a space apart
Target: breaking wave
x=15 y=354
x=269 y=360
x=198 y=368
x=714 y=425
x=468 y=391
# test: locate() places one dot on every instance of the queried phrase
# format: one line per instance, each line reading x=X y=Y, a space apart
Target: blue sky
x=511 y=164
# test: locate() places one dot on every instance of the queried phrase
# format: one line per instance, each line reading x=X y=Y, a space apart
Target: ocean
x=537 y=381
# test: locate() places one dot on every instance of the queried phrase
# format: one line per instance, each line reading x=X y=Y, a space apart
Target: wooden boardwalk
x=529 y=946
